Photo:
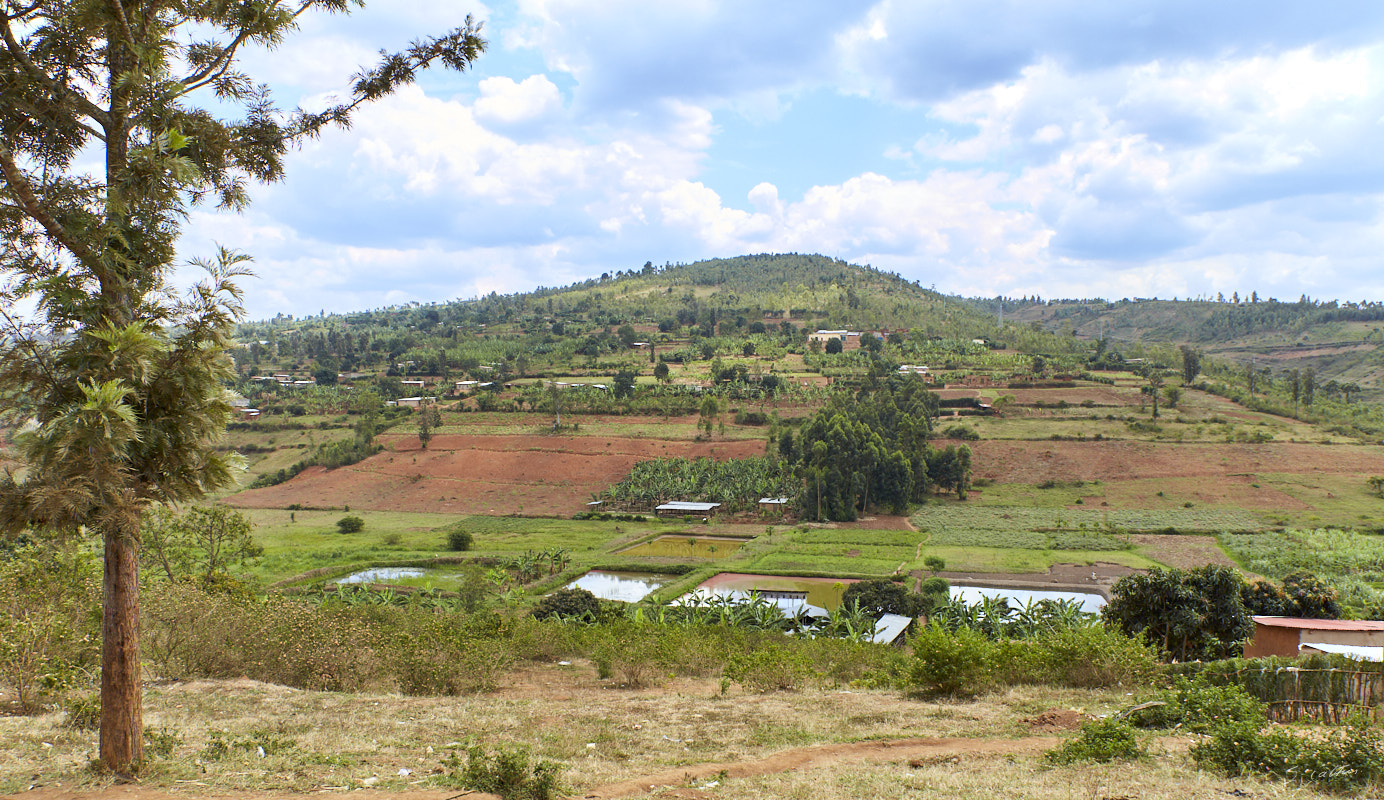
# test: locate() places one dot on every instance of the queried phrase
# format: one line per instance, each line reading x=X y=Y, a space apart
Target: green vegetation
x=1352 y=562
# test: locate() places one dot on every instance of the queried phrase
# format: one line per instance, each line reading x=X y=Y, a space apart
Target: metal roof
x=1355 y=651
x=679 y=505
x=1322 y=624
x=889 y=628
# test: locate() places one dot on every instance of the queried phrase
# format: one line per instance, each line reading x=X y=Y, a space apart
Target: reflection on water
x=379 y=574
x=1018 y=598
x=683 y=545
x=821 y=592
x=628 y=587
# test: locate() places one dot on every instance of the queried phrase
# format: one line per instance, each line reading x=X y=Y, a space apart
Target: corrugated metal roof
x=1322 y=624
x=1355 y=651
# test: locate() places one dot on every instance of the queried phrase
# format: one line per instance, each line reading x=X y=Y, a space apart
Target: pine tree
x=116 y=381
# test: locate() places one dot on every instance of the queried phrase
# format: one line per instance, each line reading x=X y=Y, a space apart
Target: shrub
x=963 y=432
x=1198 y=706
x=1102 y=740
x=83 y=711
x=568 y=604
x=350 y=524
x=1339 y=760
x=773 y=668
x=393 y=539
x=1081 y=657
x=506 y=772
x=959 y=664
x=459 y=541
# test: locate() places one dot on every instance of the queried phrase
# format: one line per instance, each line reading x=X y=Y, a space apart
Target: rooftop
x=1322 y=624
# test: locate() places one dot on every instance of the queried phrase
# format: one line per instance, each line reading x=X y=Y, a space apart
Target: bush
x=959 y=664
x=773 y=668
x=506 y=772
x=1083 y=658
x=350 y=524
x=1338 y=761
x=1199 y=706
x=963 y=432
x=1102 y=740
x=568 y=604
x=459 y=541
x=83 y=711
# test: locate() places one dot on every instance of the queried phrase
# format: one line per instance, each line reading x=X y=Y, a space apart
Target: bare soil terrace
x=484 y=474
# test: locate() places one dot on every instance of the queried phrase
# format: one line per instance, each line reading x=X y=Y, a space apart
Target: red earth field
x=466 y=474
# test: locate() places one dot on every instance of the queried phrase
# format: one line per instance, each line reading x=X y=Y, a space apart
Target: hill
x=1339 y=342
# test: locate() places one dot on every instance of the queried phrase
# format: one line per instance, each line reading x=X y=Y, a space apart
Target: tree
x=880 y=597
x=661 y=371
x=833 y=346
x=1154 y=376
x=118 y=381
x=429 y=420
x=624 y=383
x=202 y=543
x=1195 y=614
x=1191 y=364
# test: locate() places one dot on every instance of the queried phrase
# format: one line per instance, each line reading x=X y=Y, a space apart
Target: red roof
x=1322 y=624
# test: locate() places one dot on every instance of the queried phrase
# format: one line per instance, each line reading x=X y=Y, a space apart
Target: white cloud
x=505 y=102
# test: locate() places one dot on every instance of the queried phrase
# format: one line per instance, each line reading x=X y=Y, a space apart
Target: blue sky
x=1018 y=147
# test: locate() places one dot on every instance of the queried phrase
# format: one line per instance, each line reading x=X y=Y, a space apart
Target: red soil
x=465 y=474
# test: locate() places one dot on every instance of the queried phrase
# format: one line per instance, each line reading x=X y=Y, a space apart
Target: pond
x=1090 y=602
x=682 y=545
x=826 y=592
x=823 y=592
x=628 y=587
x=383 y=575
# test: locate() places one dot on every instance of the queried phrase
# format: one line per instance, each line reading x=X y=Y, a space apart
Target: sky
x=1146 y=148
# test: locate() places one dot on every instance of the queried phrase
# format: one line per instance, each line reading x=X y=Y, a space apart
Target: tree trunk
x=122 y=711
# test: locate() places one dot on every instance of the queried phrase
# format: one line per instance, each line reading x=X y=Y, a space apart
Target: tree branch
x=41 y=77
x=24 y=195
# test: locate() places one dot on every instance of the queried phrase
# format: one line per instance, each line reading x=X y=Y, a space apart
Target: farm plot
x=1065 y=529
x=458 y=474
x=855 y=551
x=1037 y=462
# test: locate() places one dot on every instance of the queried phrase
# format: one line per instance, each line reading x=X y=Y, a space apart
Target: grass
x=322 y=741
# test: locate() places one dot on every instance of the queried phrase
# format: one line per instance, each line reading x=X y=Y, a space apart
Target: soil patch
x=484 y=474
x=1094 y=578
x=1183 y=552
x=1062 y=719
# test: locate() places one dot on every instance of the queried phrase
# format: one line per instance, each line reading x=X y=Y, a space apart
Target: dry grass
x=606 y=735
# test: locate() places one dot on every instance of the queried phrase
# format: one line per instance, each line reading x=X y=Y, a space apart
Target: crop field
x=1075 y=475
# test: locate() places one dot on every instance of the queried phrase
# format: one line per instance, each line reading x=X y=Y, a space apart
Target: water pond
x=823 y=592
x=1090 y=602
x=826 y=592
x=678 y=545
x=629 y=587
x=384 y=575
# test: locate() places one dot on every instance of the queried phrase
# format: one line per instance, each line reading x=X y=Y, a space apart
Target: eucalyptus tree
x=113 y=380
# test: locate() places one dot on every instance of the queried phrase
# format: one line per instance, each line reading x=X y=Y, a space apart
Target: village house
x=1288 y=636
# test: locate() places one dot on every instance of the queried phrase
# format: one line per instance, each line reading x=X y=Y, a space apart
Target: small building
x=850 y=340
x=414 y=384
x=1288 y=636
x=679 y=507
x=890 y=629
x=411 y=402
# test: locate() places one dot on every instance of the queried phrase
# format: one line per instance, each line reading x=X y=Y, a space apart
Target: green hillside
x=1339 y=342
